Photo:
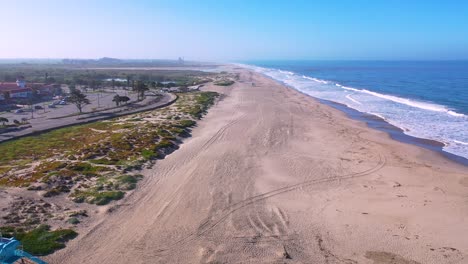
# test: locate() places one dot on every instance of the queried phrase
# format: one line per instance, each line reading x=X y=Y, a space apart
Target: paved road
x=99 y=100
x=42 y=123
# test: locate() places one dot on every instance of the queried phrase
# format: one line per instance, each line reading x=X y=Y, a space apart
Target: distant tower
x=181 y=61
x=20 y=81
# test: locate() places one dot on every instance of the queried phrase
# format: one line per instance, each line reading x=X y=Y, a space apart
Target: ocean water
x=426 y=99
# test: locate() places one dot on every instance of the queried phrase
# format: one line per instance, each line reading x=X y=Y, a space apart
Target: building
x=12 y=90
x=46 y=89
x=21 y=89
x=21 y=82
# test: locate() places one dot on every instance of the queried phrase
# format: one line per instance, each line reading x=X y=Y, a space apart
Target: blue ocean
x=426 y=99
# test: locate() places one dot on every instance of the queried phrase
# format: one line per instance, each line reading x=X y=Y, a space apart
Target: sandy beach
x=272 y=176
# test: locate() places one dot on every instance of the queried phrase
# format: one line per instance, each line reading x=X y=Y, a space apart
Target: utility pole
x=32 y=107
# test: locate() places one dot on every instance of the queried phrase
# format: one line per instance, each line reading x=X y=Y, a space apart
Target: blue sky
x=227 y=30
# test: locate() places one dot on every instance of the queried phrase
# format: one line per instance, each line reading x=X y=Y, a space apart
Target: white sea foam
x=412 y=103
x=416 y=118
x=422 y=105
x=453 y=113
x=315 y=79
x=286 y=72
x=352 y=99
x=381 y=116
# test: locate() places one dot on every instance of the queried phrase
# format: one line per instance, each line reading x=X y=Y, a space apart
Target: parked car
x=18 y=111
x=52 y=106
x=38 y=107
x=62 y=103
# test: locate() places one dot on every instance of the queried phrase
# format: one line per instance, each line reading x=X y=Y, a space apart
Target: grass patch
x=97 y=197
x=127 y=182
x=186 y=123
x=148 y=154
x=41 y=240
x=73 y=220
x=73 y=158
x=203 y=101
x=104 y=161
x=224 y=83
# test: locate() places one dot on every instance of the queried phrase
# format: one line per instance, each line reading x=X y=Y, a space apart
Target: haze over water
x=427 y=99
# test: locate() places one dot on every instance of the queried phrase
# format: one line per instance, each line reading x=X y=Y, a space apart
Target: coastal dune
x=271 y=175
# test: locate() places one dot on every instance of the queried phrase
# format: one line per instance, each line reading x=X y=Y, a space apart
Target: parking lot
x=99 y=100
x=47 y=119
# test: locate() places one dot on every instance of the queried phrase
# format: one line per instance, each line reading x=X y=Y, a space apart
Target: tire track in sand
x=210 y=224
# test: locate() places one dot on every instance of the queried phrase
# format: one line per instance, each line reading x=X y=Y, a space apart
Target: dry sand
x=272 y=176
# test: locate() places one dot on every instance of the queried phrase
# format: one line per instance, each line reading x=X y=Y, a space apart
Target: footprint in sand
x=464 y=182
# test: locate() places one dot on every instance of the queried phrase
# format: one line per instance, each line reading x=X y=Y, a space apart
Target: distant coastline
x=379 y=123
x=422 y=101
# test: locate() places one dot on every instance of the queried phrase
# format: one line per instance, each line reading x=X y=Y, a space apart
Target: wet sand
x=396 y=133
x=273 y=176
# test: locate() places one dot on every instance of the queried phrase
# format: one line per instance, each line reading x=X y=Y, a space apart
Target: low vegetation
x=93 y=78
x=58 y=160
x=40 y=240
x=94 y=163
x=203 y=102
x=224 y=82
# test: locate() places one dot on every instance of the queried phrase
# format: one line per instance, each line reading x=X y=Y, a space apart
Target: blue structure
x=10 y=252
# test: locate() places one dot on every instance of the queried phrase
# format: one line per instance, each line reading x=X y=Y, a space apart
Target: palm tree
x=128 y=81
x=140 y=88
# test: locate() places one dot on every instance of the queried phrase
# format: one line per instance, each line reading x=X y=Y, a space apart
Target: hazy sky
x=235 y=29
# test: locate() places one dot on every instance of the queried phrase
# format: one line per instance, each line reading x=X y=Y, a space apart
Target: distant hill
x=109 y=60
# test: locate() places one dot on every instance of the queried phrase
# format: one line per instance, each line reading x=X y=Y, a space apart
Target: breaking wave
x=417 y=118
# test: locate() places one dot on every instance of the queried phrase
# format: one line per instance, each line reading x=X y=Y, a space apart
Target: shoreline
x=380 y=124
x=395 y=133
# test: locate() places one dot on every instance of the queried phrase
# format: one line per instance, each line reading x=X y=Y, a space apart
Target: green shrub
x=104 y=161
x=148 y=154
x=224 y=83
x=41 y=240
x=103 y=198
x=97 y=197
x=164 y=144
x=73 y=221
x=127 y=182
x=186 y=123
